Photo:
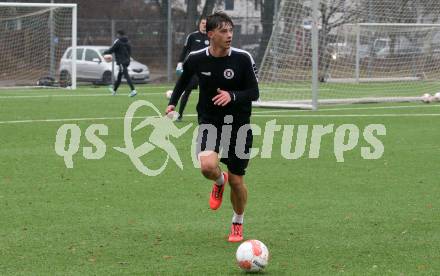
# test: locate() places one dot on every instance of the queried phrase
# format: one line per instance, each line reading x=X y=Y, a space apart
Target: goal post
x=329 y=52
x=33 y=37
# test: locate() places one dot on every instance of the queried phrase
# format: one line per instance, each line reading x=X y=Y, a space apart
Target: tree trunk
x=209 y=7
x=267 y=16
x=191 y=16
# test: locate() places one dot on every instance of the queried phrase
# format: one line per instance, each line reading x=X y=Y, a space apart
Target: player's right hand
x=222 y=98
x=169 y=109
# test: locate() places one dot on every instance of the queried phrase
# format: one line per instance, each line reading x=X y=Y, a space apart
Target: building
x=246 y=13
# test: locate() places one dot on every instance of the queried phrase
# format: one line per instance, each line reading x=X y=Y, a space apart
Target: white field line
x=345 y=115
x=32 y=89
x=381 y=107
x=66 y=120
x=351 y=108
x=287 y=89
x=140 y=94
x=196 y=92
x=256 y=115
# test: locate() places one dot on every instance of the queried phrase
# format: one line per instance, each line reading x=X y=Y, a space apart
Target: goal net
x=33 y=38
x=367 y=51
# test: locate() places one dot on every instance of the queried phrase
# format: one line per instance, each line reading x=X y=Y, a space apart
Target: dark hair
x=216 y=20
x=120 y=32
x=202 y=17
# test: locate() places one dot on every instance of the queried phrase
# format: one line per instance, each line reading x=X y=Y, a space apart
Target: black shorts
x=234 y=142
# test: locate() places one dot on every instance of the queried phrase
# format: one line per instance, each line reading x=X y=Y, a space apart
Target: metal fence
x=149 y=39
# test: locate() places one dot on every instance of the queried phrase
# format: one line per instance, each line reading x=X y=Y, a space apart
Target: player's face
x=202 y=26
x=222 y=36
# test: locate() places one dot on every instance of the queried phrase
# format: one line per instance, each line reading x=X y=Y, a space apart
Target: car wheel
x=65 y=79
x=107 y=77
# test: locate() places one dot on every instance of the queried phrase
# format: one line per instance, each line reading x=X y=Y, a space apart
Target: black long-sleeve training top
x=194 y=41
x=235 y=73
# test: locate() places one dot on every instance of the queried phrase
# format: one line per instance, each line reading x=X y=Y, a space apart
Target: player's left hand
x=169 y=109
x=223 y=98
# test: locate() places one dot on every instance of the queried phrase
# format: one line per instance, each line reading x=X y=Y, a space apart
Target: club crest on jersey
x=229 y=74
x=206 y=42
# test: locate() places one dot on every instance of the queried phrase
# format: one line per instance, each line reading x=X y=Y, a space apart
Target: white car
x=91 y=67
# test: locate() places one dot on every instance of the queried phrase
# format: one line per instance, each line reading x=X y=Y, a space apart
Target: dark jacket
x=194 y=41
x=122 y=50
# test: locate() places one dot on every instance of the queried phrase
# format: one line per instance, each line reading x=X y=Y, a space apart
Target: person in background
x=194 y=41
x=122 y=50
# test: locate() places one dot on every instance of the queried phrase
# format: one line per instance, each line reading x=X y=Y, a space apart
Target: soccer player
x=122 y=50
x=228 y=85
x=194 y=41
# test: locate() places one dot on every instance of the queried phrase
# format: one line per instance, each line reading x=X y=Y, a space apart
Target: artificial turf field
x=317 y=216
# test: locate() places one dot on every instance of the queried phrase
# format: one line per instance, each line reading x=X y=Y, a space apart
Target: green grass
x=302 y=90
x=317 y=216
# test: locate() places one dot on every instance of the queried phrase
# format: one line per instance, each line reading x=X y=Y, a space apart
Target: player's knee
x=236 y=181
x=208 y=169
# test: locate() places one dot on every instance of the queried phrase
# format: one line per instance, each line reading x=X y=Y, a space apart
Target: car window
x=91 y=54
x=79 y=53
x=380 y=44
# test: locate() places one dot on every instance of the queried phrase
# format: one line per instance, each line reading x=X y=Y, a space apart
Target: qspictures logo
x=291 y=141
x=163 y=128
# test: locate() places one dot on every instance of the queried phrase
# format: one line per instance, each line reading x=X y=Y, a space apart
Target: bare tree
x=389 y=11
x=402 y=11
x=431 y=9
x=333 y=14
x=267 y=19
x=209 y=6
x=191 y=15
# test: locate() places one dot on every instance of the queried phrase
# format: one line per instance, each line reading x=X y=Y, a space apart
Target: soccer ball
x=252 y=256
x=437 y=97
x=108 y=58
x=426 y=98
x=168 y=94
